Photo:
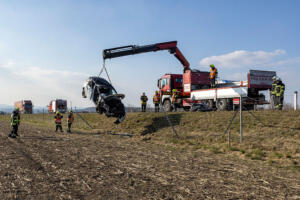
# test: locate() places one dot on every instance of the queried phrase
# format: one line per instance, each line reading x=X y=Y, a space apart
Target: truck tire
x=222 y=104
x=210 y=104
x=167 y=105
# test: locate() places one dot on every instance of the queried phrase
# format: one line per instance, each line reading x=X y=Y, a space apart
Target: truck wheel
x=222 y=104
x=209 y=103
x=167 y=105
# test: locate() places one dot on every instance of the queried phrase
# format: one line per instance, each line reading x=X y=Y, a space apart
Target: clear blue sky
x=41 y=37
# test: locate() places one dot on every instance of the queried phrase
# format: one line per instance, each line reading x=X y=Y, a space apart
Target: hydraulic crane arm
x=134 y=49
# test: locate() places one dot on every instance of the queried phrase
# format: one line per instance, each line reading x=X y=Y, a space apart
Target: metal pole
x=241 y=120
x=295 y=100
x=43 y=114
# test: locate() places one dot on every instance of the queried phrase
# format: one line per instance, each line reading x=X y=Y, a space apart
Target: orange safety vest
x=213 y=72
x=58 y=118
x=174 y=97
x=156 y=98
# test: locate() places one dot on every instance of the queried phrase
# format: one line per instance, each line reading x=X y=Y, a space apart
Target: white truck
x=58 y=105
x=228 y=93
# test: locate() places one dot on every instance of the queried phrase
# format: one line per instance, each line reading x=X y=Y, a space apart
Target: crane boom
x=135 y=49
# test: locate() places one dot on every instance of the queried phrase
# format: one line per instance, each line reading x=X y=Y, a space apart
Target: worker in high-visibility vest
x=14 y=122
x=156 y=101
x=58 y=118
x=70 y=120
x=213 y=75
x=273 y=92
x=280 y=88
x=144 y=100
x=174 y=99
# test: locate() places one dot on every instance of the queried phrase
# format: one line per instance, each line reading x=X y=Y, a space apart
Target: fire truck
x=58 y=105
x=194 y=85
x=25 y=106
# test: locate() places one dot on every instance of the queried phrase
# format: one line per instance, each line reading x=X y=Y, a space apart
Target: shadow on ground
x=162 y=122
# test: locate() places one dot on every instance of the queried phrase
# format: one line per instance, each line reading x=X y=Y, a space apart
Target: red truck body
x=58 y=105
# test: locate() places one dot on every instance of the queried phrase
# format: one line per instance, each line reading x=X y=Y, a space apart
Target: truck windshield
x=164 y=82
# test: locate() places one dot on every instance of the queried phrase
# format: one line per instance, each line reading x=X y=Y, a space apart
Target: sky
x=48 y=48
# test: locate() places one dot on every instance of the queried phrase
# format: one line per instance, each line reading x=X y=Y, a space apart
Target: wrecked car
x=105 y=98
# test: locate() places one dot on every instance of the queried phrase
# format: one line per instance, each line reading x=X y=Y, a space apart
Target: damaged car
x=105 y=98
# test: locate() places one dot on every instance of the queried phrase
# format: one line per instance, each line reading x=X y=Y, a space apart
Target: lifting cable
x=104 y=68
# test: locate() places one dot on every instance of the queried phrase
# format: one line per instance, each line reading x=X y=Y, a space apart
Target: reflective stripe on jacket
x=273 y=90
x=280 y=90
x=15 y=120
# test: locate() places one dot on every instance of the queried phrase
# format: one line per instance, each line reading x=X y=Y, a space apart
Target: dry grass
x=276 y=140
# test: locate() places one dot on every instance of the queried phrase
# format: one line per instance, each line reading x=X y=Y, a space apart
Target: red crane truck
x=194 y=85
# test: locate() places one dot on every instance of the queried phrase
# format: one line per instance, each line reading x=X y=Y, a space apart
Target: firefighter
x=156 y=101
x=213 y=75
x=174 y=99
x=70 y=120
x=144 y=100
x=58 y=117
x=15 y=122
x=273 y=92
x=280 y=88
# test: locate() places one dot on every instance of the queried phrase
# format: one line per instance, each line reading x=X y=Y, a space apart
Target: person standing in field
x=280 y=88
x=58 y=118
x=156 y=101
x=144 y=100
x=70 y=120
x=15 y=122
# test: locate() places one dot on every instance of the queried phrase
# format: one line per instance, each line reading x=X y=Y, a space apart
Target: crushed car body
x=105 y=98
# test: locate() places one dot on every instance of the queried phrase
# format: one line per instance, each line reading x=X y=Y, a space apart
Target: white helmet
x=276 y=78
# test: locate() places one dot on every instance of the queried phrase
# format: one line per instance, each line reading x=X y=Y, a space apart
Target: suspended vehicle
x=105 y=98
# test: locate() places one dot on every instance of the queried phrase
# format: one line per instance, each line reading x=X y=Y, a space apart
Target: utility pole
x=241 y=120
x=295 y=100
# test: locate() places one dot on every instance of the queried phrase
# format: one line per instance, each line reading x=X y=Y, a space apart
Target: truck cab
x=166 y=84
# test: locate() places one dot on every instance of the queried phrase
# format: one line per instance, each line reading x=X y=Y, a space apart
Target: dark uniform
x=144 y=100
x=280 y=88
x=156 y=101
x=213 y=75
x=58 y=117
x=70 y=121
x=15 y=122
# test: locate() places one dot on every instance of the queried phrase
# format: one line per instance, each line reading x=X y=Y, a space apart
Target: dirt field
x=43 y=165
